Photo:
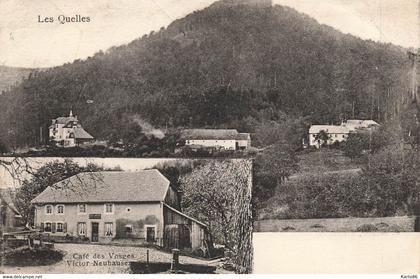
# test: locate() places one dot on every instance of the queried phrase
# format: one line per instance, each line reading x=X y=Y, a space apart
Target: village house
x=356 y=124
x=338 y=133
x=335 y=133
x=10 y=218
x=228 y=139
x=105 y=207
x=68 y=132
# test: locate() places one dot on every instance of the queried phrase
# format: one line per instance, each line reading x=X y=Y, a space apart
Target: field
x=323 y=161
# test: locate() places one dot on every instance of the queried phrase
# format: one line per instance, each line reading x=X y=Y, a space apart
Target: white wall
x=227 y=144
x=72 y=217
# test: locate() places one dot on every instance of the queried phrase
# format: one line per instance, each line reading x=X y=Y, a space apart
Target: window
x=60 y=209
x=48 y=209
x=81 y=228
x=82 y=208
x=60 y=227
x=128 y=228
x=128 y=209
x=47 y=227
x=108 y=229
x=109 y=208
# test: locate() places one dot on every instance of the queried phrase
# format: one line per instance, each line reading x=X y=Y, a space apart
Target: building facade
x=338 y=133
x=106 y=207
x=68 y=132
x=227 y=139
x=334 y=133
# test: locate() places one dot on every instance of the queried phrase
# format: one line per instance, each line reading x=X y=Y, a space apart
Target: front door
x=150 y=234
x=95 y=232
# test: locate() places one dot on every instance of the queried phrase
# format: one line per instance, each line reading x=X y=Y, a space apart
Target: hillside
x=228 y=65
x=10 y=76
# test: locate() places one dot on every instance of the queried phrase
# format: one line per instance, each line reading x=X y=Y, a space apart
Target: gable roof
x=209 y=134
x=329 y=129
x=80 y=133
x=354 y=124
x=185 y=215
x=65 y=120
x=107 y=186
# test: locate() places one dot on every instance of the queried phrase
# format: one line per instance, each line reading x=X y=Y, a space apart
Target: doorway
x=95 y=232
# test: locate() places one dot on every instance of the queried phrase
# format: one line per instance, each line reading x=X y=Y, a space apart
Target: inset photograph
x=96 y=215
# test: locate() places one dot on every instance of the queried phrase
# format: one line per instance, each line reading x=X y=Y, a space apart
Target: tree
x=47 y=175
x=322 y=137
x=393 y=175
x=356 y=144
x=218 y=193
x=272 y=167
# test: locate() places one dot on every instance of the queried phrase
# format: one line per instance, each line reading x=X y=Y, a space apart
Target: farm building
x=356 y=124
x=339 y=133
x=10 y=217
x=68 y=132
x=228 y=139
x=335 y=134
x=107 y=207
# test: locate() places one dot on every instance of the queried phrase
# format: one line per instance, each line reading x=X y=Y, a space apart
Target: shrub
x=367 y=228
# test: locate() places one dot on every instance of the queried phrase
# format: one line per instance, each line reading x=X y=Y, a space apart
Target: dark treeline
x=225 y=66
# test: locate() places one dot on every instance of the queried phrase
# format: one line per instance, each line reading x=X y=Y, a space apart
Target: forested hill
x=10 y=76
x=224 y=66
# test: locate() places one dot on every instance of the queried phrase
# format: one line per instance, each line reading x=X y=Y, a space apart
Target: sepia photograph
x=144 y=136
x=78 y=215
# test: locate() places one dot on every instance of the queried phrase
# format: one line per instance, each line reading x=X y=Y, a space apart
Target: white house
x=339 y=133
x=114 y=207
x=228 y=139
x=357 y=124
x=68 y=132
x=336 y=133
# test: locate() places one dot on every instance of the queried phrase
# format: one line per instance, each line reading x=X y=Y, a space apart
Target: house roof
x=107 y=186
x=330 y=129
x=80 y=133
x=186 y=216
x=208 y=134
x=353 y=124
x=65 y=120
x=243 y=136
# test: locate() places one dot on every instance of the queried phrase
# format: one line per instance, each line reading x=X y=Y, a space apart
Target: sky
x=25 y=42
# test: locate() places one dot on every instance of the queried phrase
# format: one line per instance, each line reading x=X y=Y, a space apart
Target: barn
x=119 y=207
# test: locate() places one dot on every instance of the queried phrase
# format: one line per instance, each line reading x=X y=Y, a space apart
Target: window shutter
x=42 y=227
x=64 y=227
x=53 y=227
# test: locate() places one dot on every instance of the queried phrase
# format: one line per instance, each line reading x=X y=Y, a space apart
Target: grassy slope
x=312 y=162
x=327 y=161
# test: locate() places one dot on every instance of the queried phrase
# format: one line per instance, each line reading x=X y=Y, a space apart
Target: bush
x=367 y=228
x=34 y=257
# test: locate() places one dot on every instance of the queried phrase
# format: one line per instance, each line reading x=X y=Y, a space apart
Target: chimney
x=71 y=113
